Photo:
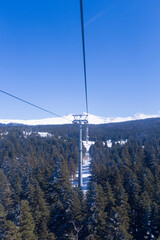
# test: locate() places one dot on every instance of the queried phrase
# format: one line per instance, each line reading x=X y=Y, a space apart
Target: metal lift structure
x=80 y=119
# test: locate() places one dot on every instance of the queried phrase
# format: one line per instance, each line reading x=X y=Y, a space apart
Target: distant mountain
x=69 y=118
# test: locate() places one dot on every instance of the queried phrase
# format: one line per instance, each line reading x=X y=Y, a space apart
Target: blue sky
x=41 y=57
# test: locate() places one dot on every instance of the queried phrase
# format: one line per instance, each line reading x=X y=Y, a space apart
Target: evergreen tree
x=96 y=219
x=77 y=213
x=122 y=215
x=51 y=236
x=5 y=191
x=27 y=225
x=59 y=200
x=2 y=221
x=8 y=230
x=39 y=209
x=11 y=232
x=149 y=218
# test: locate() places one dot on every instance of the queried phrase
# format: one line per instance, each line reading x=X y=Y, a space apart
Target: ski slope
x=86 y=171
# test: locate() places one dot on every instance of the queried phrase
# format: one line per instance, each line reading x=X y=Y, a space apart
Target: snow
x=4 y=134
x=88 y=144
x=109 y=143
x=26 y=134
x=92 y=119
x=86 y=173
x=44 y=134
x=46 y=121
x=122 y=142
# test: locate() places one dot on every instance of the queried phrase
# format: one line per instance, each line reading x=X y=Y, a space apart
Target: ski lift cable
x=84 y=56
x=29 y=103
x=85 y=75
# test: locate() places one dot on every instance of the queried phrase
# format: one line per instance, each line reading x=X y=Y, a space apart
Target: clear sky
x=41 y=57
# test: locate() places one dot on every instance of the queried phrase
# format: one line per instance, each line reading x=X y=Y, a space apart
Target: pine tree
x=40 y=210
x=96 y=219
x=150 y=159
x=59 y=199
x=148 y=218
x=11 y=232
x=17 y=188
x=77 y=213
x=117 y=215
x=111 y=212
x=5 y=191
x=2 y=221
x=27 y=225
x=51 y=236
x=8 y=230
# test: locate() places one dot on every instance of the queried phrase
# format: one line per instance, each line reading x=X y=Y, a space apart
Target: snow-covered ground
x=88 y=144
x=44 y=134
x=41 y=134
x=26 y=134
x=122 y=142
x=3 y=133
x=109 y=142
x=92 y=119
x=86 y=173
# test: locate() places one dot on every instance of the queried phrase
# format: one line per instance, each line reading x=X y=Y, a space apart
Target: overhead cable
x=29 y=103
x=84 y=57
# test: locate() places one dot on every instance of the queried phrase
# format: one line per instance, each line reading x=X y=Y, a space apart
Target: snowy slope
x=86 y=171
x=69 y=118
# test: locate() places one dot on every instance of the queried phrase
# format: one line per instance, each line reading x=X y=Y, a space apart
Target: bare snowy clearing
x=86 y=173
x=41 y=134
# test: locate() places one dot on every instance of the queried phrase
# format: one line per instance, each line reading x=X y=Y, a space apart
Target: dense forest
x=38 y=201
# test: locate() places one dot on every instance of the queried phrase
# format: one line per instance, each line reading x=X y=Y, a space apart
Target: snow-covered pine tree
x=59 y=199
x=96 y=215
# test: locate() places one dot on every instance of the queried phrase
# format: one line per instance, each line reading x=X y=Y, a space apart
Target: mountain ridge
x=67 y=119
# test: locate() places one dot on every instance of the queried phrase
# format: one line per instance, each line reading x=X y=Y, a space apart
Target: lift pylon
x=87 y=135
x=80 y=119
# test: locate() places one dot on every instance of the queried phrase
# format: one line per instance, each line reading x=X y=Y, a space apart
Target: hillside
x=67 y=119
x=38 y=200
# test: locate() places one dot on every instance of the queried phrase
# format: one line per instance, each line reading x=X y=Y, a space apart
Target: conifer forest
x=37 y=197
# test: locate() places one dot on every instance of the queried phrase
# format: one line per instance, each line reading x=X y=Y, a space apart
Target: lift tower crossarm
x=80 y=119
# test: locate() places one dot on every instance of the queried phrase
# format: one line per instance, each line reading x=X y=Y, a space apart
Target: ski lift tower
x=80 y=119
